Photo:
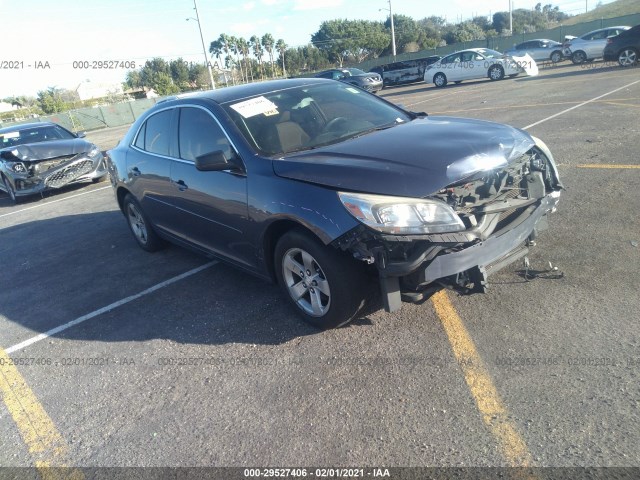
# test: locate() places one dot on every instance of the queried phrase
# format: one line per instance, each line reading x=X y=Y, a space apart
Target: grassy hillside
x=610 y=10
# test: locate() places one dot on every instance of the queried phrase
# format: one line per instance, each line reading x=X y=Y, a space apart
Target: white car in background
x=477 y=63
x=590 y=45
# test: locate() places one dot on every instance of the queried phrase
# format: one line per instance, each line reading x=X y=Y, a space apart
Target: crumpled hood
x=34 y=152
x=415 y=159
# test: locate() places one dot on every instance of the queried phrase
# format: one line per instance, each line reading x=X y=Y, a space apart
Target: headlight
x=19 y=168
x=94 y=152
x=400 y=215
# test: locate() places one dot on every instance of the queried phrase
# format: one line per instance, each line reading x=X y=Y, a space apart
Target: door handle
x=181 y=185
x=136 y=172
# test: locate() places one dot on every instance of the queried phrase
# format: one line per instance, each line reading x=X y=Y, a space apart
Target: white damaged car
x=477 y=63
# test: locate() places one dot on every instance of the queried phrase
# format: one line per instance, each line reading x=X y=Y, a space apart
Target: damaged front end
x=30 y=174
x=498 y=214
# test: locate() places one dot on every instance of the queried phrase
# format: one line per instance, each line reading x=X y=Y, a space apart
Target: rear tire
x=326 y=286
x=628 y=57
x=140 y=226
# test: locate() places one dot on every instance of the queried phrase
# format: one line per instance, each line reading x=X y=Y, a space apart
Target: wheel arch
x=121 y=192
x=274 y=232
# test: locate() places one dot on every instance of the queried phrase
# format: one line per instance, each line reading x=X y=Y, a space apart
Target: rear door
x=149 y=165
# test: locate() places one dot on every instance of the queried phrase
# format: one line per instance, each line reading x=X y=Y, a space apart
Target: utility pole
x=510 y=17
x=393 y=33
x=204 y=49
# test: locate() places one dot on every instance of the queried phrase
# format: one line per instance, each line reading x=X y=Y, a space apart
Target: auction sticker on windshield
x=256 y=106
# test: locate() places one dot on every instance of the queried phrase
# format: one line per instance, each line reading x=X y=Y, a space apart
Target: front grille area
x=42 y=167
x=69 y=174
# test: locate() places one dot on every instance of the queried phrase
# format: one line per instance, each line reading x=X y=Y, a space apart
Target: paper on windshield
x=255 y=106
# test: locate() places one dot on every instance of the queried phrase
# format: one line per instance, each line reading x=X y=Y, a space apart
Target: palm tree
x=217 y=48
x=243 y=47
x=226 y=48
x=235 y=49
x=258 y=51
x=268 y=44
x=282 y=47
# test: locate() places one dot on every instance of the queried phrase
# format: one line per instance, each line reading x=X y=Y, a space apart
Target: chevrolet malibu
x=323 y=187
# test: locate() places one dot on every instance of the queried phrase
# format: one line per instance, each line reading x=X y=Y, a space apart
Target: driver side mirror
x=214 y=162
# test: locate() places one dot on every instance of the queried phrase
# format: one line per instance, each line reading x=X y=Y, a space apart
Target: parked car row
x=620 y=44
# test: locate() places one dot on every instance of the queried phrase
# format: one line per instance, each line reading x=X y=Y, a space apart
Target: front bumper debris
x=53 y=174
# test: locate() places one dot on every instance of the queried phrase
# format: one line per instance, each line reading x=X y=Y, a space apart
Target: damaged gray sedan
x=35 y=157
x=334 y=192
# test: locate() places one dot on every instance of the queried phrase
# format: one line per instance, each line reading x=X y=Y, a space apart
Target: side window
x=451 y=59
x=468 y=56
x=158 y=132
x=199 y=134
x=140 y=140
x=326 y=75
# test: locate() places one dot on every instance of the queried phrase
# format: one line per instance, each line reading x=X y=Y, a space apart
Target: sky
x=43 y=38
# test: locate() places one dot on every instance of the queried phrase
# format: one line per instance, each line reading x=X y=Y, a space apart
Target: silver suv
x=590 y=45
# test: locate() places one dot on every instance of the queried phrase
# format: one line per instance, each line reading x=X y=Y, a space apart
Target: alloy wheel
x=627 y=57
x=137 y=223
x=306 y=282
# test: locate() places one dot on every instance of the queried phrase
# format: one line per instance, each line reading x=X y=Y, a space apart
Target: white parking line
x=53 y=201
x=578 y=106
x=109 y=307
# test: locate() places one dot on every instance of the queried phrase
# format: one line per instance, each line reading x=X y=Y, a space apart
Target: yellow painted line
x=479 y=381
x=606 y=165
x=620 y=104
x=47 y=447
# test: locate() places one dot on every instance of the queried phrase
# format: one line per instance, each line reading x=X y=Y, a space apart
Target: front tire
x=140 y=226
x=10 y=191
x=578 y=57
x=440 y=80
x=496 y=72
x=628 y=57
x=556 y=57
x=325 y=285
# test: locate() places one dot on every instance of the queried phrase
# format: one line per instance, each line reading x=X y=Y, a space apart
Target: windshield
x=356 y=71
x=309 y=117
x=46 y=133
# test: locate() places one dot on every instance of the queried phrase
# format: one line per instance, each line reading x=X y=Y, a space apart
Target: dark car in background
x=371 y=82
x=624 y=48
x=35 y=157
x=540 y=50
x=323 y=187
x=406 y=71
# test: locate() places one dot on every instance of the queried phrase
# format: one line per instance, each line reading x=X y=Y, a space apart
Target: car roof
x=239 y=92
x=626 y=27
x=22 y=126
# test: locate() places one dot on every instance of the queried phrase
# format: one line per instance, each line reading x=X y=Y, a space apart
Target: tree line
x=335 y=43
